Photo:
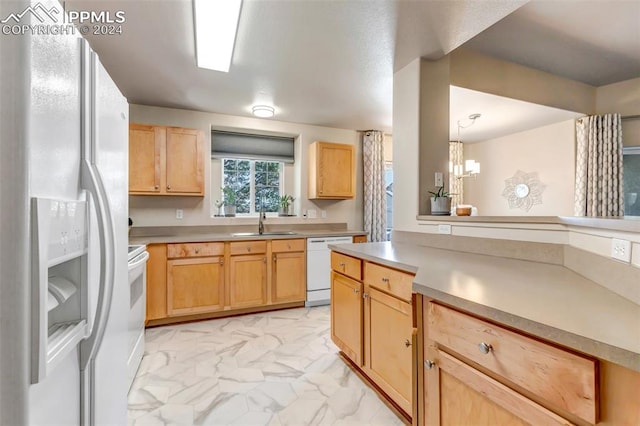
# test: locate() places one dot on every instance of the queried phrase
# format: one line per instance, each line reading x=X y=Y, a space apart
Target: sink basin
x=264 y=234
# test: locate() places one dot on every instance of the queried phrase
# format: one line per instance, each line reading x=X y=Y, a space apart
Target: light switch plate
x=621 y=250
x=179 y=214
x=439 y=179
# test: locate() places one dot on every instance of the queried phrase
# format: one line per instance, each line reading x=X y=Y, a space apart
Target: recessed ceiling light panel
x=216 y=23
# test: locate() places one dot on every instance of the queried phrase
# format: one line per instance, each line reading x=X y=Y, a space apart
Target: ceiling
x=331 y=63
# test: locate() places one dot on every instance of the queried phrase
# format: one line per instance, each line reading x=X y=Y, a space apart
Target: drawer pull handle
x=429 y=364
x=485 y=348
x=385 y=280
x=407 y=343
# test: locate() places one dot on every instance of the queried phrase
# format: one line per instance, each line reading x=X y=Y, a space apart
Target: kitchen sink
x=264 y=234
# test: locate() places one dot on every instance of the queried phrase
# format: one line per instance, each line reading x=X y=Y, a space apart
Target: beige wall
x=548 y=150
x=622 y=98
x=160 y=211
x=483 y=73
x=406 y=146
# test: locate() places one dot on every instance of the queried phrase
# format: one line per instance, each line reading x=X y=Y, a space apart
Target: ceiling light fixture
x=216 y=25
x=263 y=111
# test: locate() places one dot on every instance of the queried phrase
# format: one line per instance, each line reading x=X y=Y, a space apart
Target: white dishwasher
x=319 y=269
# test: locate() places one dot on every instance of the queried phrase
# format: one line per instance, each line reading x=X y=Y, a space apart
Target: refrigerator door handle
x=90 y=346
x=92 y=181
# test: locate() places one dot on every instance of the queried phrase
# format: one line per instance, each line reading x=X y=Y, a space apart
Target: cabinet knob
x=365 y=295
x=275 y=258
x=264 y=259
x=385 y=280
x=289 y=246
x=407 y=343
x=221 y=262
x=342 y=265
x=356 y=291
x=157 y=187
x=168 y=186
x=248 y=248
x=485 y=348
x=197 y=251
x=429 y=364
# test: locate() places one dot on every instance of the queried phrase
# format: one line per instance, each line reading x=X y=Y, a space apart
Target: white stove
x=137 y=260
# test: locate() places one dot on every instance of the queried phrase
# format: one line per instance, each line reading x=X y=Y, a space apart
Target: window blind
x=254 y=147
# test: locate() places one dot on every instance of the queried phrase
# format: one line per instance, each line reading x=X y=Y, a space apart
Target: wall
x=548 y=150
x=406 y=146
x=622 y=98
x=160 y=211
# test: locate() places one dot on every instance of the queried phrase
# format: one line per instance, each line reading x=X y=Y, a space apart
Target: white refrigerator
x=63 y=152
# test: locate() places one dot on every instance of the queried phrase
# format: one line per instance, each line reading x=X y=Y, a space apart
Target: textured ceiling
x=331 y=63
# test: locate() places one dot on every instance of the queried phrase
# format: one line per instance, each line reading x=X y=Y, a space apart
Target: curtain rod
x=630 y=117
x=373 y=130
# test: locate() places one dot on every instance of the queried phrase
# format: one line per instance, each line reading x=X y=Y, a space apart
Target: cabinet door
x=157 y=281
x=195 y=285
x=185 y=161
x=145 y=145
x=334 y=169
x=346 y=316
x=458 y=394
x=388 y=332
x=248 y=280
x=289 y=277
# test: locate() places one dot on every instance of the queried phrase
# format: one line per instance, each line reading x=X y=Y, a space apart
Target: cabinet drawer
x=195 y=250
x=283 y=246
x=563 y=379
x=248 y=247
x=388 y=280
x=347 y=265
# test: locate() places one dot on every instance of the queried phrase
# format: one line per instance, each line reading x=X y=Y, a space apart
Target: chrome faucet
x=262 y=217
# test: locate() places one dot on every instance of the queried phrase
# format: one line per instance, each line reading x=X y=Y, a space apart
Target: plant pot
x=285 y=211
x=441 y=206
x=229 y=211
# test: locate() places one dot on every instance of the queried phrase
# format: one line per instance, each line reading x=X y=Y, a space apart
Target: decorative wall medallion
x=523 y=190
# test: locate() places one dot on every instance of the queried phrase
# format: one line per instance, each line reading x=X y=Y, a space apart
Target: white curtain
x=456 y=187
x=375 y=196
x=599 y=166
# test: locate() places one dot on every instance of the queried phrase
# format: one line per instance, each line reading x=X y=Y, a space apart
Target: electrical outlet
x=323 y=214
x=621 y=250
x=439 y=179
x=179 y=214
x=311 y=213
x=444 y=229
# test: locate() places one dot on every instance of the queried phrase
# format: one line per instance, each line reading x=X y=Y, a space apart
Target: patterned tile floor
x=275 y=368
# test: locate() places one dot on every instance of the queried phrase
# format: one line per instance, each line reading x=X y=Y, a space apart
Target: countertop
x=545 y=300
x=186 y=236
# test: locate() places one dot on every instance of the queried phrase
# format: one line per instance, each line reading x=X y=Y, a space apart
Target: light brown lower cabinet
x=372 y=324
x=195 y=285
x=346 y=316
x=187 y=281
x=476 y=372
x=248 y=280
x=388 y=330
x=288 y=271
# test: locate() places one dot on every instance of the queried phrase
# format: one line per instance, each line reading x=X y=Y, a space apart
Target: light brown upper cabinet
x=165 y=160
x=332 y=171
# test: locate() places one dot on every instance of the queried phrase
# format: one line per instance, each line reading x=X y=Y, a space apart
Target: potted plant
x=440 y=202
x=229 y=198
x=286 y=205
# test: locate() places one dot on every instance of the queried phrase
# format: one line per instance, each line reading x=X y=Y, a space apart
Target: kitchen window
x=255 y=181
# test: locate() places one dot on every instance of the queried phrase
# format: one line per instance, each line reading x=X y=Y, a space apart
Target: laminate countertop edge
x=547 y=301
